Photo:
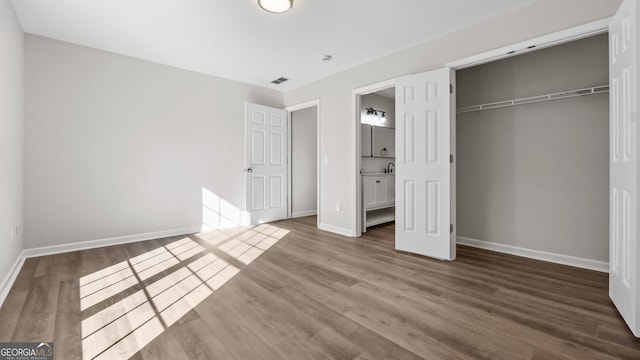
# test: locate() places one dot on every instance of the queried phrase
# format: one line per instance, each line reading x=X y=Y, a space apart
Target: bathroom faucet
x=390 y=167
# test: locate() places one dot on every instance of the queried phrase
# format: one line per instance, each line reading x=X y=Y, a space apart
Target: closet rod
x=535 y=99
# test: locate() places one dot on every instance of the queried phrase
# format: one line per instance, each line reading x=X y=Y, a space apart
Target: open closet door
x=623 y=197
x=265 y=163
x=424 y=172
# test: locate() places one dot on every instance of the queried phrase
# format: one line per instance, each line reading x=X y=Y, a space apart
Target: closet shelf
x=535 y=99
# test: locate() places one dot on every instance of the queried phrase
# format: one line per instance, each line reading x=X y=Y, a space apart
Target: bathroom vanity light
x=276 y=6
x=377 y=113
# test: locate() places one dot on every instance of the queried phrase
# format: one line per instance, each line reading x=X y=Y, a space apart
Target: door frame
x=357 y=184
x=560 y=37
x=564 y=36
x=290 y=109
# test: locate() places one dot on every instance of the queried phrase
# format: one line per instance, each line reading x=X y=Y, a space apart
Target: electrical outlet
x=338 y=207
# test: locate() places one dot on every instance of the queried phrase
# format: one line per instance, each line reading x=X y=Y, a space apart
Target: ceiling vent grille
x=279 y=80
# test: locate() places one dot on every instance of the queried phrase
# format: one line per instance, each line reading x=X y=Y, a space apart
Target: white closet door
x=265 y=163
x=423 y=177
x=623 y=236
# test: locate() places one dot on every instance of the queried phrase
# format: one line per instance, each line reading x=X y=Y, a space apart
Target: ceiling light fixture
x=276 y=6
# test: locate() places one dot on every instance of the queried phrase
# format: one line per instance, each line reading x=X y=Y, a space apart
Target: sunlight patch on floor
x=99 y=286
x=249 y=245
x=126 y=326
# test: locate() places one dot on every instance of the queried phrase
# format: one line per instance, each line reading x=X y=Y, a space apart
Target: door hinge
x=451 y=228
x=451 y=158
x=451 y=88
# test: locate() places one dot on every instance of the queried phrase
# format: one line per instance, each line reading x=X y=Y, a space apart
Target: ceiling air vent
x=279 y=80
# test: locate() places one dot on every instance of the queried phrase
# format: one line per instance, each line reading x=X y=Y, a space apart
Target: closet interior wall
x=536 y=176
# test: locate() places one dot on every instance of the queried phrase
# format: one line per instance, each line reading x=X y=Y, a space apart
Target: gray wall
x=11 y=138
x=337 y=123
x=536 y=176
x=304 y=161
x=378 y=102
x=117 y=146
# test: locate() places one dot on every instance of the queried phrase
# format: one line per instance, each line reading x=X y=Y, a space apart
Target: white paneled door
x=424 y=123
x=265 y=163
x=623 y=197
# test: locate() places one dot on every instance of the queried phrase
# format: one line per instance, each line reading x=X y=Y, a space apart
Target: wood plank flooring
x=286 y=290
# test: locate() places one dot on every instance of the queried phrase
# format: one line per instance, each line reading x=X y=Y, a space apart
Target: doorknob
x=248 y=170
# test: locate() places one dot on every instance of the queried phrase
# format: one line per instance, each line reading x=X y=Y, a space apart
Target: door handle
x=249 y=170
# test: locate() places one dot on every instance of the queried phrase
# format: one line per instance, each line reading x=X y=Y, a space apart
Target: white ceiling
x=235 y=39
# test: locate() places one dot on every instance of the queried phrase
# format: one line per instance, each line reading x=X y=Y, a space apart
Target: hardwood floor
x=289 y=291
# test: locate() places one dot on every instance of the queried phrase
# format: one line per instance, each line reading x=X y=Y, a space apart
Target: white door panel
x=265 y=163
x=423 y=171
x=257 y=192
x=623 y=236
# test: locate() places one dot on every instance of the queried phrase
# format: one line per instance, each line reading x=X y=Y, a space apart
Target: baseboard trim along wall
x=536 y=254
x=336 y=230
x=84 y=245
x=298 y=214
x=92 y=244
x=8 y=281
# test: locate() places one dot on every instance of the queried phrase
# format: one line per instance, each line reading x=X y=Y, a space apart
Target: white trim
x=371 y=88
x=336 y=230
x=289 y=156
x=575 y=33
x=355 y=110
x=290 y=109
x=304 y=105
x=596 y=265
x=91 y=244
x=298 y=214
x=7 y=282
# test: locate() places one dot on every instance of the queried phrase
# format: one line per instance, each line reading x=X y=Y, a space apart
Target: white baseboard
x=536 y=254
x=298 y=214
x=336 y=230
x=92 y=244
x=8 y=281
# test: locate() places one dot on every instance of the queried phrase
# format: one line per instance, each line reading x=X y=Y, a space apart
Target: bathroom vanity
x=379 y=198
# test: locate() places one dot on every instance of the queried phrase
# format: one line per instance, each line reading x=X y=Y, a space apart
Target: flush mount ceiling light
x=276 y=6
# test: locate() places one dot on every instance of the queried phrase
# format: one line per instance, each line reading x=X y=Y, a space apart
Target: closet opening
x=532 y=154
